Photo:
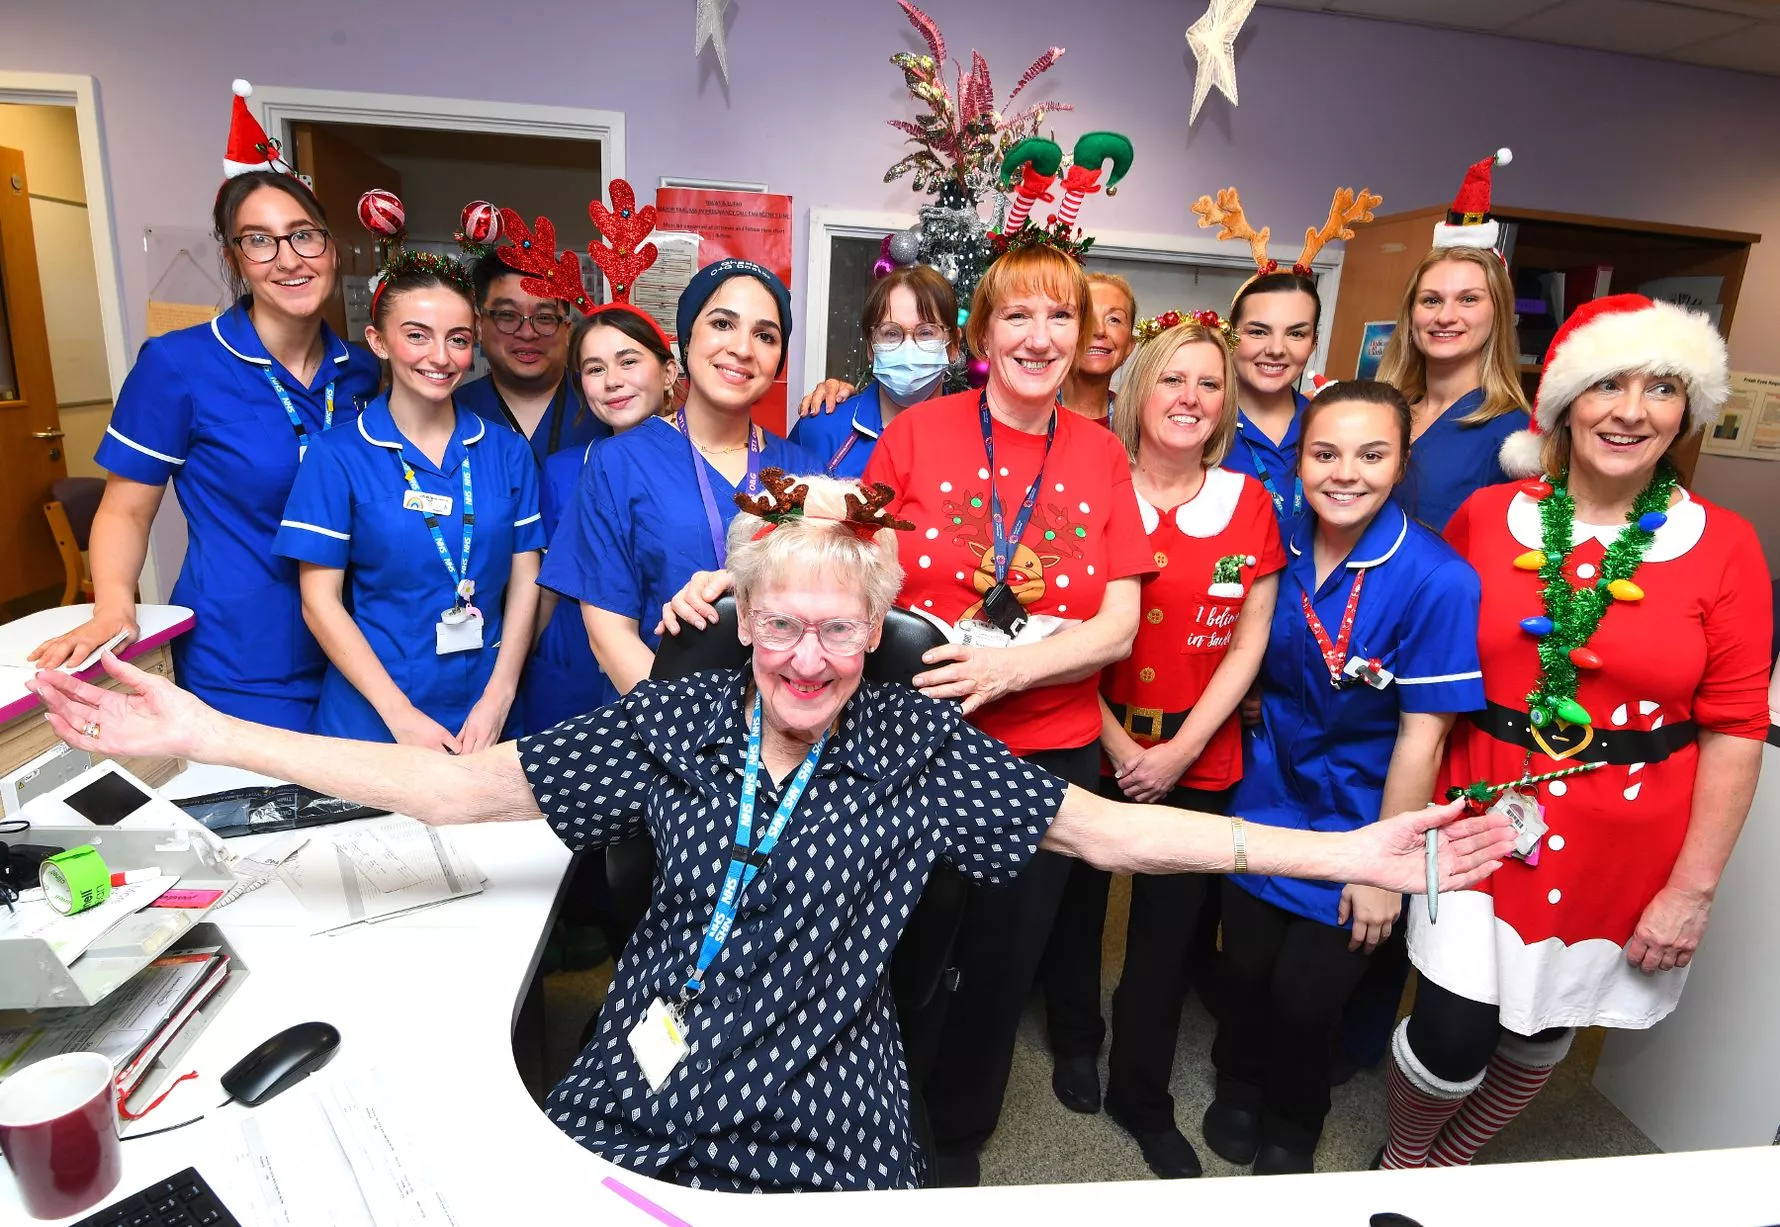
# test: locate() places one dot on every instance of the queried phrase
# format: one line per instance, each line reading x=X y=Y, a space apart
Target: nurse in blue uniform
x=1373 y=651
x=1455 y=358
x=910 y=322
x=529 y=388
x=1274 y=318
x=655 y=502
x=625 y=373
x=418 y=532
x=226 y=411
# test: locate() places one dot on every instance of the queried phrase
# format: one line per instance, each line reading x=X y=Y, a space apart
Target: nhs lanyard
x=751 y=483
x=290 y=411
x=1279 y=502
x=459 y=577
x=1004 y=543
x=746 y=860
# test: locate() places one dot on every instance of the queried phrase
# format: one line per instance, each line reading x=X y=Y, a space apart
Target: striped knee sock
x=1420 y=1104
x=1516 y=1073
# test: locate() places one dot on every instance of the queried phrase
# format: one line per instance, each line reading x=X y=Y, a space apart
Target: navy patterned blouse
x=794 y=1077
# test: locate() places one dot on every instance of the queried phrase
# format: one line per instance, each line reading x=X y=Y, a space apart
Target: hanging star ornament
x=1212 y=40
x=710 y=30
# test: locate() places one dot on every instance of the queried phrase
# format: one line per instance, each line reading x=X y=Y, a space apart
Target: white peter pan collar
x=1680 y=533
x=1207 y=513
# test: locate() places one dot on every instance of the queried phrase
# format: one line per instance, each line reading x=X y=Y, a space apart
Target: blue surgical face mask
x=909 y=372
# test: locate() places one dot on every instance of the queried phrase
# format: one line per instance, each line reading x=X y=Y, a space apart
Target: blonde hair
x=817 y=543
x=1118 y=283
x=1407 y=367
x=1144 y=371
x=1026 y=270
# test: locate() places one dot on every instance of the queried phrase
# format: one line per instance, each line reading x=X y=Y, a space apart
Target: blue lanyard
x=1004 y=544
x=1279 y=503
x=462 y=588
x=290 y=411
x=746 y=860
x=713 y=519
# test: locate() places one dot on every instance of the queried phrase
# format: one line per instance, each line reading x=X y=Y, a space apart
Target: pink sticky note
x=187 y=898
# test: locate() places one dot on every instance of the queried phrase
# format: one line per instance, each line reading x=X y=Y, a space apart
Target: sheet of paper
x=255 y=871
x=69 y=936
x=284 y=1168
x=412 y=866
x=389 y=1166
x=659 y=288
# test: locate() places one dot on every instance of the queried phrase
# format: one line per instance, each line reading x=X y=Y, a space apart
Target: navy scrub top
x=642 y=530
x=1317 y=761
x=346 y=511
x=1274 y=465
x=198 y=409
x=563 y=678
x=859 y=418
x=1451 y=462
x=565 y=426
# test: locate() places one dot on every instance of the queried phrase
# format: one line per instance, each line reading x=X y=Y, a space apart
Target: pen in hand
x=1433 y=875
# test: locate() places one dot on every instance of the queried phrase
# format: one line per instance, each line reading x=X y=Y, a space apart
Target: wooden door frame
x=82 y=93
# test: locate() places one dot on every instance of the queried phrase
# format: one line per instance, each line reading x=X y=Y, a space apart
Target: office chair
x=922 y=961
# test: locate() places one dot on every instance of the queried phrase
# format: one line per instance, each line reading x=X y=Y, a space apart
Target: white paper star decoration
x=1213 y=42
x=710 y=30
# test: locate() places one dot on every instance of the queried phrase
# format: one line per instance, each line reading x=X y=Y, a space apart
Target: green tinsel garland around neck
x=1575 y=613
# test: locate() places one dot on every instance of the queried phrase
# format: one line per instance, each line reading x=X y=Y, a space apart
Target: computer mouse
x=281 y=1062
x=1390 y=1218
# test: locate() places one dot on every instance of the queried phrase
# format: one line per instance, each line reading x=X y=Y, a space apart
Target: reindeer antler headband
x=1346 y=210
x=548 y=274
x=783 y=502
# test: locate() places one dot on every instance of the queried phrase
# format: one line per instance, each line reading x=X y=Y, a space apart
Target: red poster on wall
x=736 y=225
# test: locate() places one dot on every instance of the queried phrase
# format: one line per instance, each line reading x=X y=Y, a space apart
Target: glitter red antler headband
x=624 y=256
x=533 y=252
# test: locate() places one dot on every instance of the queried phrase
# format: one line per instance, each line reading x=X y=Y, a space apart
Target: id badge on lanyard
x=659 y=1041
x=459 y=628
x=1001 y=606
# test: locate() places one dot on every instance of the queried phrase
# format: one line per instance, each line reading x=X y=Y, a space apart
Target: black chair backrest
x=925 y=948
x=79 y=497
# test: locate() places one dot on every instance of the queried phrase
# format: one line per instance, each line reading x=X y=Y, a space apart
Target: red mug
x=58 y=1130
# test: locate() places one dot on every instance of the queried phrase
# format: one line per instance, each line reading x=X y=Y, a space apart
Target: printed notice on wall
x=1749 y=426
x=740 y=225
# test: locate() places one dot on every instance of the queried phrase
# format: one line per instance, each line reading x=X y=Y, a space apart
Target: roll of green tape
x=75 y=880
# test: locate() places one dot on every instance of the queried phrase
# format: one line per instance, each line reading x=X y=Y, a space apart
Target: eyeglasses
x=927 y=336
x=780 y=632
x=508 y=321
x=257 y=248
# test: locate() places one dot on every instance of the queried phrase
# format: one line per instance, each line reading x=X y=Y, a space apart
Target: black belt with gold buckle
x=1151 y=723
x=1585 y=743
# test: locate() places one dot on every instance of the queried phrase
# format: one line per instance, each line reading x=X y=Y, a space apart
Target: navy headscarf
x=704 y=284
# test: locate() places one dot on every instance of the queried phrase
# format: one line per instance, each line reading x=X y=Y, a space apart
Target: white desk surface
x=430 y=999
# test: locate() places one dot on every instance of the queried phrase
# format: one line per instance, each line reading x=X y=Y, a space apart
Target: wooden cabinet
x=1382 y=255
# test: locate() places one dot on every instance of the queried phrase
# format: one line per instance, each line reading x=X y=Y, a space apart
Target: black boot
x=1287 y=1149
x=1232 y=1124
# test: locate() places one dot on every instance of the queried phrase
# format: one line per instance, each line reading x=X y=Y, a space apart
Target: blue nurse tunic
x=823 y=435
x=1451 y=461
x=199 y=409
x=1274 y=465
x=563 y=678
x=346 y=511
x=565 y=426
x=1317 y=761
x=642 y=529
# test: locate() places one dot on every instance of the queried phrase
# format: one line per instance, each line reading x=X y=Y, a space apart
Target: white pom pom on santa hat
x=1504 y=155
x=242 y=88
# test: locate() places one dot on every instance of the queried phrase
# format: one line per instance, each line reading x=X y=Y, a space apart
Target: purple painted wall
x=1326 y=100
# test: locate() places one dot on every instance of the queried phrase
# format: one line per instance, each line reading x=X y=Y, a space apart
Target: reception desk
x=429 y=1001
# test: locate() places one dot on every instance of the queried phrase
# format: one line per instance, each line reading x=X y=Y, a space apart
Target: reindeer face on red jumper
x=1025 y=575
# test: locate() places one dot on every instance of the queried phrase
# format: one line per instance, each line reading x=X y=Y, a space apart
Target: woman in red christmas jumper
x=1624 y=637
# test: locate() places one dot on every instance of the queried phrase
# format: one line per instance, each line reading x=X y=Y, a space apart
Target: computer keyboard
x=183 y=1200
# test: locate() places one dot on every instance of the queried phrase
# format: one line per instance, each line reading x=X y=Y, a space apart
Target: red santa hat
x=1468 y=223
x=249 y=147
x=1623 y=334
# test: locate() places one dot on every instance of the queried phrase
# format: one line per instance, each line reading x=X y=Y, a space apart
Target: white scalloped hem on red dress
x=1475 y=954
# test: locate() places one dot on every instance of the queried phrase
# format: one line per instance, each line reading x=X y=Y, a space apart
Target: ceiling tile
x=1761 y=10
x=1456 y=14
x=1753 y=50
x=1638 y=27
